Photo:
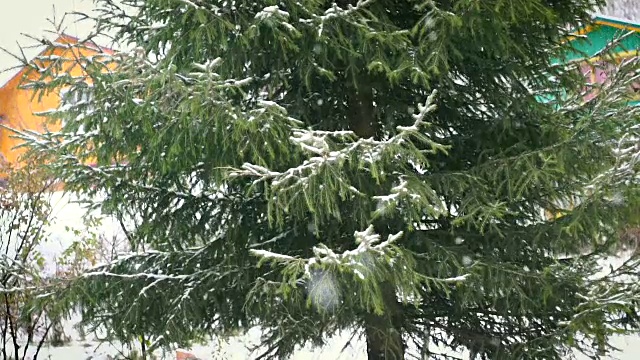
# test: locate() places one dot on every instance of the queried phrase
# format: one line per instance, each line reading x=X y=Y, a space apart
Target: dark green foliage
x=263 y=135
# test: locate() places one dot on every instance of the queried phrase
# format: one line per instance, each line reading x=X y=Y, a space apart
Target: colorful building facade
x=20 y=105
x=603 y=44
x=599 y=47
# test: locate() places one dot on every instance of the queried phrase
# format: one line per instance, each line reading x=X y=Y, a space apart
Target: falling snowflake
x=311 y=227
x=323 y=291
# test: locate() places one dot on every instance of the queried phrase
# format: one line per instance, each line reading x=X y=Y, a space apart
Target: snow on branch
x=316 y=143
x=396 y=192
x=24 y=289
x=423 y=110
x=275 y=16
x=190 y=4
x=139 y=276
x=298 y=174
x=335 y=12
x=271 y=11
x=271 y=255
x=625 y=171
x=455 y=279
x=207 y=66
x=368 y=241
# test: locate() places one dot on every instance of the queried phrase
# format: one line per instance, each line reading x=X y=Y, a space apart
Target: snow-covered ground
x=237 y=349
x=67 y=216
x=234 y=349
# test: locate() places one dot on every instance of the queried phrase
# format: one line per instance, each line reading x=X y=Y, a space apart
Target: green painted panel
x=597 y=40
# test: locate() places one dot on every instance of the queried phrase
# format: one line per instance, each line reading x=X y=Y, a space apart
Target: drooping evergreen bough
x=382 y=167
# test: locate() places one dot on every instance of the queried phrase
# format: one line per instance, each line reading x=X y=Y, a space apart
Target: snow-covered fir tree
x=377 y=166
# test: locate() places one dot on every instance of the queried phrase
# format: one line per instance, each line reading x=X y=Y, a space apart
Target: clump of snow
x=270 y=11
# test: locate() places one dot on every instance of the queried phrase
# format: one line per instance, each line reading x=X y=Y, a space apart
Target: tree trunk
x=384 y=332
x=425 y=354
x=363 y=118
